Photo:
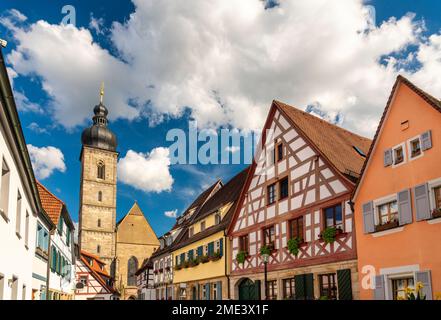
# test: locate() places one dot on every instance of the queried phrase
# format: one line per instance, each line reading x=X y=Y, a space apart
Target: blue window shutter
x=425 y=278
x=426 y=140
x=422 y=206
x=221 y=247
x=379 y=292
x=200 y=251
x=388 y=159
x=219 y=290
x=182 y=257
x=368 y=217
x=404 y=207
x=210 y=248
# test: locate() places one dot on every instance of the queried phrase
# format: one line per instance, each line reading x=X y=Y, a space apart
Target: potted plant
x=416 y=294
x=329 y=234
x=266 y=250
x=178 y=266
x=194 y=262
x=241 y=256
x=436 y=213
x=204 y=259
x=186 y=264
x=293 y=245
x=387 y=225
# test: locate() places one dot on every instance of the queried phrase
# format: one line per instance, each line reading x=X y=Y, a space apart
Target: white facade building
x=145 y=281
x=19 y=202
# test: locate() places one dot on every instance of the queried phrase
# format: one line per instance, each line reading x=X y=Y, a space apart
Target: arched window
x=99 y=223
x=100 y=196
x=132 y=267
x=101 y=170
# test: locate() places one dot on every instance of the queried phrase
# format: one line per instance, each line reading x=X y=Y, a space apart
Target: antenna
x=102 y=92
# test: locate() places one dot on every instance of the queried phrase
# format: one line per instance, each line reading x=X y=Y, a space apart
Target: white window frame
x=397 y=273
x=381 y=201
x=409 y=148
x=432 y=184
x=403 y=146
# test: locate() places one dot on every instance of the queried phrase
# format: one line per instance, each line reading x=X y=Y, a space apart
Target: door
x=249 y=290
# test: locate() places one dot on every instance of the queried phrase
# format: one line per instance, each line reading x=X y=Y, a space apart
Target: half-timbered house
x=295 y=206
x=145 y=281
x=93 y=282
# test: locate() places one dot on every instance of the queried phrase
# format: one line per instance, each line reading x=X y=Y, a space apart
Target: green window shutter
x=200 y=251
x=257 y=289
x=68 y=237
x=210 y=248
x=299 y=287
x=221 y=247
x=309 y=286
x=344 y=283
x=190 y=255
x=182 y=257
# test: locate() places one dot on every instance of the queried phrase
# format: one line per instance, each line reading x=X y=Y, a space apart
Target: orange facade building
x=397 y=202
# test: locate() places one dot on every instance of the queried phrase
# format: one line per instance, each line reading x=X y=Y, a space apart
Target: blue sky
x=49 y=128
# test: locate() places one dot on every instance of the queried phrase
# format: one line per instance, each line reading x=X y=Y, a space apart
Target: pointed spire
x=102 y=92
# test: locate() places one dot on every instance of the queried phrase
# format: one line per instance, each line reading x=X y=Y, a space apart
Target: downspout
x=226 y=265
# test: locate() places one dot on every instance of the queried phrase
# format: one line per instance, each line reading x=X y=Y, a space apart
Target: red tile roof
x=51 y=204
x=99 y=274
x=333 y=142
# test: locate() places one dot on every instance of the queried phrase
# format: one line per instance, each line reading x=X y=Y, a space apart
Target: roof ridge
x=285 y=105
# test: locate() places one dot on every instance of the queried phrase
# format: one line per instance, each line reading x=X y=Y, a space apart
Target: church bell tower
x=97 y=216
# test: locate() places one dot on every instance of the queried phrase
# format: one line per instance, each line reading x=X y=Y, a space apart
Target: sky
x=219 y=63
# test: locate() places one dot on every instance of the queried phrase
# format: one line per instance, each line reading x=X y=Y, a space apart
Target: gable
x=310 y=177
x=409 y=113
x=135 y=229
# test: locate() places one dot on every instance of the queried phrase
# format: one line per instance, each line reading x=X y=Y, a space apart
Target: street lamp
x=265 y=258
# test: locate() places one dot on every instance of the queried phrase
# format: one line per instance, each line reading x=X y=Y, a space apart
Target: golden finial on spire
x=102 y=92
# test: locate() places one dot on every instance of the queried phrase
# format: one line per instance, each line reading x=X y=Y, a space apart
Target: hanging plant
x=241 y=256
x=328 y=235
x=293 y=246
x=265 y=250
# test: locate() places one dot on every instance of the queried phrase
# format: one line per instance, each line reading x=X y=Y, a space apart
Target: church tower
x=97 y=217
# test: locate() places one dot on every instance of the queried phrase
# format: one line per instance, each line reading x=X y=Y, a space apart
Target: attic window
x=359 y=151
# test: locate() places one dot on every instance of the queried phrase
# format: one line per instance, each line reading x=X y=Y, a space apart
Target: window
x=399 y=287
x=42 y=238
x=190 y=231
x=60 y=226
x=288 y=288
x=4 y=191
x=217 y=218
x=269 y=236
x=23 y=293
x=398 y=155
x=271 y=191
x=415 y=148
x=296 y=228
x=204 y=291
x=280 y=152
x=271 y=287
x=2 y=286
x=83 y=280
x=68 y=237
x=101 y=171
x=98 y=249
x=244 y=243
x=437 y=192
x=99 y=223
x=215 y=291
x=27 y=229
x=202 y=225
x=283 y=188
x=132 y=267
x=18 y=215
x=100 y=196
x=333 y=217
x=328 y=286
x=388 y=212
x=14 y=288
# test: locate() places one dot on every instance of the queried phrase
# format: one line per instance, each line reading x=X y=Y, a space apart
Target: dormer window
x=190 y=232
x=202 y=225
x=217 y=218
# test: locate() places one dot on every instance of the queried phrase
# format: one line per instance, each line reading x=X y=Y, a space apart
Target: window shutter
x=210 y=248
x=200 y=251
x=257 y=289
x=176 y=262
x=388 y=159
x=422 y=206
x=221 y=247
x=207 y=291
x=299 y=287
x=379 y=293
x=344 y=283
x=219 y=290
x=182 y=257
x=425 y=278
x=426 y=140
x=368 y=217
x=309 y=286
x=404 y=207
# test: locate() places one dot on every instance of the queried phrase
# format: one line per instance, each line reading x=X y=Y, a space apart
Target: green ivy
x=241 y=256
x=265 y=250
x=329 y=234
x=293 y=246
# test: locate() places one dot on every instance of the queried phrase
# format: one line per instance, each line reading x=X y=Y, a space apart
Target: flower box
x=387 y=226
x=436 y=213
x=204 y=259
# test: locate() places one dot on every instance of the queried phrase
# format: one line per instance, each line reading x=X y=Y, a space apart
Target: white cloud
x=149 y=172
x=36 y=128
x=96 y=24
x=46 y=160
x=226 y=60
x=171 y=213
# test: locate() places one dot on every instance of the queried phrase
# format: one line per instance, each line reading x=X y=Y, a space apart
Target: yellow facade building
x=200 y=257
